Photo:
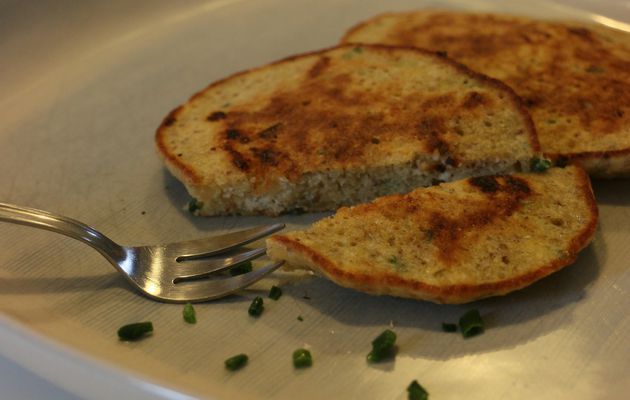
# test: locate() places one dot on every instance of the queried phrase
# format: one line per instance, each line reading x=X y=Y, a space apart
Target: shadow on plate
x=612 y=191
x=42 y=285
x=94 y=286
x=510 y=320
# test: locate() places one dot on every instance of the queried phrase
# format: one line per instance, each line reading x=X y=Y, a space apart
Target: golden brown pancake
x=573 y=77
x=452 y=243
x=342 y=126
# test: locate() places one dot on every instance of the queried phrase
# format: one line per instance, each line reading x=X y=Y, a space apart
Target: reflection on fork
x=171 y=272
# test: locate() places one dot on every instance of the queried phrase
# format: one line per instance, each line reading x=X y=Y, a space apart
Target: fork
x=171 y=272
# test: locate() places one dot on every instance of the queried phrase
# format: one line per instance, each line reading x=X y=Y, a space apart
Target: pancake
x=452 y=243
x=574 y=77
x=341 y=126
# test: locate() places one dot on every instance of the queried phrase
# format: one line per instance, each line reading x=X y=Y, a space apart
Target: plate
x=84 y=88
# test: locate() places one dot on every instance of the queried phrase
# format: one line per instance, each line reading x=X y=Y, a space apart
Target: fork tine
x=221 y=243
x=194 y=268
x=196 y=291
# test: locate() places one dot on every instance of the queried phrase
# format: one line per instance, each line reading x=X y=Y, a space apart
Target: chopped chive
x=236 y=362
x=397 y=263
x=540 y=164
x=382 y=347
x=242 y=268
x=275 y=292
x=471 y=324
x=302 y=358
x=257 y=307
x=299 y=318
x=416 y=392
x=135 y=331
x=189 y=314
x=194 y=205
x=446 y=327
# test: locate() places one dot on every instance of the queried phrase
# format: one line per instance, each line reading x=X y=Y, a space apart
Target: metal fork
x=170 y=272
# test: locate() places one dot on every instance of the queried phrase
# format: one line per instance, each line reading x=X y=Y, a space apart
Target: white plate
x=83 y=88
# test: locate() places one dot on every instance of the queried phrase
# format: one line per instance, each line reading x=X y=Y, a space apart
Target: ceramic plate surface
x=85 y=85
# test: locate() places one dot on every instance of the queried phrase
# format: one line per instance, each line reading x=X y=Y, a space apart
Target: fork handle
x=64 y=225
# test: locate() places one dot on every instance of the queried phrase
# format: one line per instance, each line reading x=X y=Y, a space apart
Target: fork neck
x=63 y=225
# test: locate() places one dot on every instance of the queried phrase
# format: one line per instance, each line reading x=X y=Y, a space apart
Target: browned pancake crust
x=504 y=196
x=452 y=294
x=575 y=79
x=311 y=126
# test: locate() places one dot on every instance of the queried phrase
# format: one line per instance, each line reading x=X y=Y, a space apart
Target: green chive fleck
x=242 y=268
x=299 y=318
x=302 y=358
x=236 y=362
x=257 y=307
x=540 y=164
x=471 y=324
x=397 y=263
x=353 y=52
x=382 y=347
x=446 y=327
x=135 y=331
x=189 y=314
x=416 y=392
x=275 y=292
x=194 y=205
